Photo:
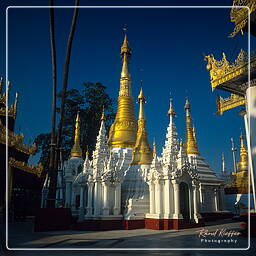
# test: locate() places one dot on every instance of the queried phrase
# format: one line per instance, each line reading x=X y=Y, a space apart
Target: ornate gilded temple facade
x=126 y=185
x=239 y=79
x=21 y=175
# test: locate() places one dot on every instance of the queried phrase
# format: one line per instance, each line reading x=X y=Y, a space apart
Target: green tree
x=90 y=101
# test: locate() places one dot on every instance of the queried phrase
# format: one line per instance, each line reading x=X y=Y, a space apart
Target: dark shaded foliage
x=90 y=102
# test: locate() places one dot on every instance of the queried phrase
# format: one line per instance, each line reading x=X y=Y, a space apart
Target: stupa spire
x=123 y=130
x=76 y=150
x=101 y=149
x=243 y=163
x=170 y=150
x=190 y=143
x=142 y=153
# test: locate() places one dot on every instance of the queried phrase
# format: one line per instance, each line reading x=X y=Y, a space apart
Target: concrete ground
x=21 y=235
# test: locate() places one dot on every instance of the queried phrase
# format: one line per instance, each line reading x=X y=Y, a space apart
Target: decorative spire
x=194 y=134
x=125 y=53
x=190 y=144
x=170 y=150
x=181 y=156
x=155 y=163
x=243 y=163
x=171 y=111
x=142 y=153
x=87 y=164
x=102 y=115
x=141 y=101
x=16 y=103
x=154 y=149
x=123 y=130
x=76 y=150
x=101 y=149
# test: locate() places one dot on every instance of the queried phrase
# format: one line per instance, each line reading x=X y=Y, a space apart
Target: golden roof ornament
x=171 y=111
x=103 y=115
x=224 y=104
x=222 y=73
x=239 y=14
x=123 y=131
x=76 y=151
x=243 y=163
x=142 y=153
x=190 y=144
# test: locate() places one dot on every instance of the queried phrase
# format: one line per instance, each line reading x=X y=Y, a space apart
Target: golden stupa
x=190 y=144
x=76 y=151
x=123 y=131
x=142 y=153
x=240 y=177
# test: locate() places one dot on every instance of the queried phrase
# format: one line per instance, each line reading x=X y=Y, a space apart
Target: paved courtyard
x=21 y=236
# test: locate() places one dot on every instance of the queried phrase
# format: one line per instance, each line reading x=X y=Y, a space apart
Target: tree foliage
x=90 y=101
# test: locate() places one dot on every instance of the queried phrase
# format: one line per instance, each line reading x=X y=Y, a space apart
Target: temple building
x=239 y=177
x=126 y=185
x=239 y=79
x=23 y=178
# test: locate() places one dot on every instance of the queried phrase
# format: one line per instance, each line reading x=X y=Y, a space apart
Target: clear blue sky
x=168 y=44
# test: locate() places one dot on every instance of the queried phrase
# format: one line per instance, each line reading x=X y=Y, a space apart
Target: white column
x=152 y=198
x=73 y=198
x=159 y=197
x=195 y=202
x=68 y=194
x=117 y=199
x=89 y=199
x=216 y=201
x=167 y=197
x=201 y=194
x=96 y=199
x=105 y=199
x=176 y=188
x=250 y=125
x=81 y=207
x=222 y=199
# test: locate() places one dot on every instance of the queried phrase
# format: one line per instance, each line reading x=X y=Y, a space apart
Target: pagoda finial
x=16 y=103
x=141 y=101
x=171 y=111
x=190 y=143
x=76 y=150
x=125 y=53
x=154 y=148
x=243 y=163
x=103 y=115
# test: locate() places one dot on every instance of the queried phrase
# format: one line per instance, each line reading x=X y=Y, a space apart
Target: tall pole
x=233 y=153
x=223 y=167
x=63 y=93
x=54 y=90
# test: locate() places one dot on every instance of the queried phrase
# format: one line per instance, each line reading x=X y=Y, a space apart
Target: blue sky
x=168 y=44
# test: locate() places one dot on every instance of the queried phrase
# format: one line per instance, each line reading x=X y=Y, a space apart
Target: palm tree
x=52 y=188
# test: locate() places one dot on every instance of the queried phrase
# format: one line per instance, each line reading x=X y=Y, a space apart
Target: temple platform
x=167 y=224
